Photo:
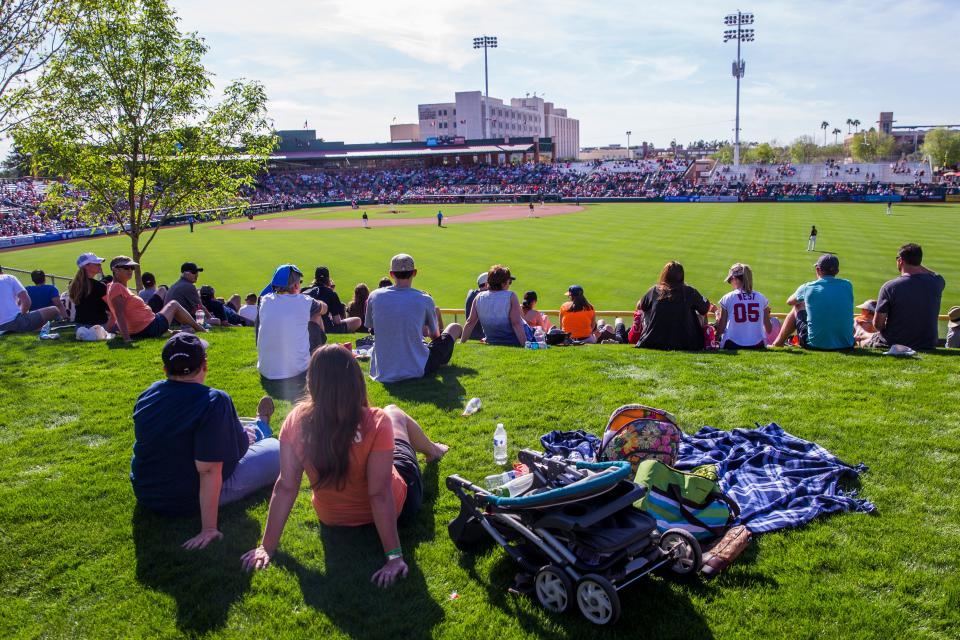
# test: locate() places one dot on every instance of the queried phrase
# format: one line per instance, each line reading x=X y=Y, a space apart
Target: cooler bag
x=689 y=501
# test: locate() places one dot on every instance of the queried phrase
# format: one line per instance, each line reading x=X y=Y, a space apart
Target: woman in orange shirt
x=578 y=318
x=361 y=461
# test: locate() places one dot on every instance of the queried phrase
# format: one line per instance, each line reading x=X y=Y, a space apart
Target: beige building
x=610 y=152
x=474 y=117
x=405 y=132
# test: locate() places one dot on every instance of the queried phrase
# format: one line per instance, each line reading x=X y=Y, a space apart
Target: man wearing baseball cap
x=130 y=316
x=190 y=451
x=822 y=313
x=477 y=333
x=15 y=313
x=400 y=316
x=289 y=327
x=185 y=291
x=87 y=292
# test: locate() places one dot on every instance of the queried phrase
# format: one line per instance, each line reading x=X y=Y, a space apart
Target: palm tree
x=824 y=125
x=856 y=124
x=836 y=132
x=849 y=124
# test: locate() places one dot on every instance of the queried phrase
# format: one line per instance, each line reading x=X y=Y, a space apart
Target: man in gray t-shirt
x=908 y=307
x=399 y=317
x=185 y=291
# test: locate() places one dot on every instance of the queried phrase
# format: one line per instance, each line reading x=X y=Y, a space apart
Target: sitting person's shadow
x=205 y=583
x=339 y=585
x=443 y=389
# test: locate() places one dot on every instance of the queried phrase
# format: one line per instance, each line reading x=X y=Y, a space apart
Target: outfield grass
x=80 y=560
x=375 y=212
x=615 y=251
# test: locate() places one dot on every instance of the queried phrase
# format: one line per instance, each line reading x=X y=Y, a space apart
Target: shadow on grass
x=342 y=589
x=206 y=583
x=659 y=607
x=442 y=390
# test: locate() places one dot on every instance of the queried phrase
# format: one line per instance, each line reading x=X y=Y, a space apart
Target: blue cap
x=281 y=277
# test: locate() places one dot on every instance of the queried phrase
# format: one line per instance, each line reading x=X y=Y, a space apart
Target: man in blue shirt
x=43 y=294
x=191 y=452
x=822 y=314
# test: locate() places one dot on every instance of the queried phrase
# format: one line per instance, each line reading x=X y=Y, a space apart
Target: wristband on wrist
x=394 y=553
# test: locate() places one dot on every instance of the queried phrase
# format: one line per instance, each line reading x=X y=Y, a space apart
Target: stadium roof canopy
x=359 y=154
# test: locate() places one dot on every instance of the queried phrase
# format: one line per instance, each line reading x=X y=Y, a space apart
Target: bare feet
x=265 y=408
x=439 y=450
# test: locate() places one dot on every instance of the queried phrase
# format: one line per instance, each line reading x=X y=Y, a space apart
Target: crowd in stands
x=644 y=178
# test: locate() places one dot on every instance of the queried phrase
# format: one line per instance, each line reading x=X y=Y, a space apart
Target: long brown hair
x=671 y=280
x=332 y=413
x=360 y=294
x=79 y=286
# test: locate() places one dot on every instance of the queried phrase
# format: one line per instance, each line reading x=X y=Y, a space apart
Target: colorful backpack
x=636 y=433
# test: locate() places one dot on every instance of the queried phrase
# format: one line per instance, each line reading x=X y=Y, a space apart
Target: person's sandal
x=725 y=551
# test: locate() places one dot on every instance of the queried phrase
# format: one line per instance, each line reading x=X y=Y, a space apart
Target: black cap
x=183 y=354
x=206 y=291
x=148 y=279
x=190 y=267
x=828 y=264
x=321 y=273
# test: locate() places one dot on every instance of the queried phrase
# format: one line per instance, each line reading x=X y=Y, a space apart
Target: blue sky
x=660 y=69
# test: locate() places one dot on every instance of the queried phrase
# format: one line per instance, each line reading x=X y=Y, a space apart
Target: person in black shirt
x=908 y=307
x=87 y=293
x=673 y=313
x=468 y=304
x=334 y=320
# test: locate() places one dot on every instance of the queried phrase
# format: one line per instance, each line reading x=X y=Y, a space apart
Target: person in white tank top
x=743 y=318
x=283 y=333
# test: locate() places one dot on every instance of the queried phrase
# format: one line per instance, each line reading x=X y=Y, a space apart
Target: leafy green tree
x=943 y=147
x=765 y=153
x=31 y=33
x=872 y=145
x=724 y=154
x=824 y=125
x=125 y=116
x=803 y=149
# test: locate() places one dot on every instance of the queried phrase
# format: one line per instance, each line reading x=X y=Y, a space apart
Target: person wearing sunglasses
x=130 y=317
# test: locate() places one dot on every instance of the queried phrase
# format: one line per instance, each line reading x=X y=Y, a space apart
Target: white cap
x=482 y=279
x=88 y=258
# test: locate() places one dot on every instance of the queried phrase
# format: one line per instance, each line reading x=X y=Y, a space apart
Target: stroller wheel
x=684 y=549
x=598 y=599
x=554 y=588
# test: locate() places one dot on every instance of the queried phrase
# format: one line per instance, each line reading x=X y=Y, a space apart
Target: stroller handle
x=455 y=483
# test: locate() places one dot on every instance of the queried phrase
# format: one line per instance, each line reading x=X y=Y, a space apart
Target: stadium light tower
x=740 y=34
x=485 y=42
x=628 y=144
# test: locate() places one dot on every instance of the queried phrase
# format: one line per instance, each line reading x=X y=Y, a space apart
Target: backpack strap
x=674 y=491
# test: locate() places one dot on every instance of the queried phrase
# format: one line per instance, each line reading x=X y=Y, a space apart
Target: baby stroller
x=576 y=531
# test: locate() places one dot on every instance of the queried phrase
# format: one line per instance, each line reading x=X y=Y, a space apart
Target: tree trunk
x=135 y=254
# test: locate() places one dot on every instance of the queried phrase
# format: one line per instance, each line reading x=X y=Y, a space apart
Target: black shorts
x=405 y=462
x=802 y=327
x=441 y=350
x=155 y=329
x=335 y=327
x=291 y=389
x=730 y=345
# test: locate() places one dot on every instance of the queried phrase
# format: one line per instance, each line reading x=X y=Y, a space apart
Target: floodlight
x=741 y=35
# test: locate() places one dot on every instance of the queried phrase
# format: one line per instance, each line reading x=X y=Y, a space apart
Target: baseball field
x=79 y=559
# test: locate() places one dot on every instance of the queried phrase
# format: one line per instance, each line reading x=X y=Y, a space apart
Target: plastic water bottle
x=201 y=316
x=539 y=336
x=500 y=445
x=472 y=407
x=499 y=479
x=530 y=344
x=45 y=330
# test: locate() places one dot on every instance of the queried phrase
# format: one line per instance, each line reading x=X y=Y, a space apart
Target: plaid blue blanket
x=778 y=480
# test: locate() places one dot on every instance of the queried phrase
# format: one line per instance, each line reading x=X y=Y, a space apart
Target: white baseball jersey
x=744 y=313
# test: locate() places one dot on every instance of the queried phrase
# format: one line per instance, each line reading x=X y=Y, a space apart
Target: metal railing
x=51 y=278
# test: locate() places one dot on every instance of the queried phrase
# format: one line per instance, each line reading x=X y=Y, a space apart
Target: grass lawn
x=80 y=560
x=614 y=251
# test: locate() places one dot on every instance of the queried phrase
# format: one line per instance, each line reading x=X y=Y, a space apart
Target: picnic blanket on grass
x=779 y=480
